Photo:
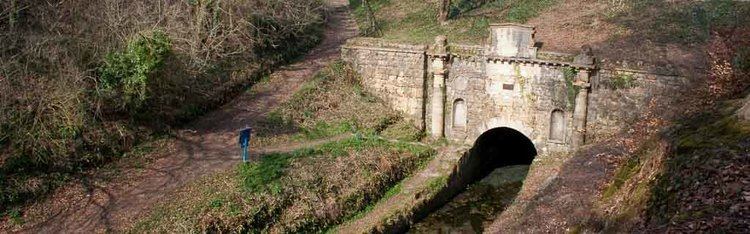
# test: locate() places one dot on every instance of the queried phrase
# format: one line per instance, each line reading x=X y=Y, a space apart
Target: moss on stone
x=570 y=74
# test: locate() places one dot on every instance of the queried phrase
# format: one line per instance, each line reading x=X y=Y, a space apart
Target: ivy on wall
x=622 y=81
x=521 y=80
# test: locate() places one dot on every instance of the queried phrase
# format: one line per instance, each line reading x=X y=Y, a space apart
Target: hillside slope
x=665 y=33
x=693 y=177
x=312 y=188
x=109 y=197
x=84 y=82
x=634 y=180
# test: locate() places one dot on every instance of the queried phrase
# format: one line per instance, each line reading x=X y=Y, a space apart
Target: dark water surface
x=475 y=208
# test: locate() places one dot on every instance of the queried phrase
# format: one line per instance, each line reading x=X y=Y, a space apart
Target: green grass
x=260 y=193
x=261 y=175
x=14 y=215
x=402 y=131
x=349 y=175
x=333 y=103
x=324 y=129
x=434 y=185
x=626 y=172
x=396 y=189
x=524 y=10
x=416 y=21
x=685 y=22
x=392 y=191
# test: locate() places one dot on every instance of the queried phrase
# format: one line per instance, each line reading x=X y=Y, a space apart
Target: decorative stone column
x=439 y=57
x=580 y=113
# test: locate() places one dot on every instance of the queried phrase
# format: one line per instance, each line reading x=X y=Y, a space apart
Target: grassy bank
x=416 y=21
x=334 y=102
x=82 y=83
x=306 y=190
x=690 y=178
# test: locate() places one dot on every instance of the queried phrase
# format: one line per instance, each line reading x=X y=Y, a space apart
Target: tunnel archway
x=490 y=174
x=499 y=147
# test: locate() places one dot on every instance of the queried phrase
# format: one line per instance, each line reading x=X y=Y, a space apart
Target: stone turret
x=512 y=40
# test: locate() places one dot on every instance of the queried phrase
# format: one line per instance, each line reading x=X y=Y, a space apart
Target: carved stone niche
x=512 y=40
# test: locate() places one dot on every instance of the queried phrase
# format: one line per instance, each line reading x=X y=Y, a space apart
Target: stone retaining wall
x=619 y=97
x=393 y=72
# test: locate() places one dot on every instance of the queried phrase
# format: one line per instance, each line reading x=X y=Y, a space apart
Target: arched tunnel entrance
x=487 y=180
x=499 y=147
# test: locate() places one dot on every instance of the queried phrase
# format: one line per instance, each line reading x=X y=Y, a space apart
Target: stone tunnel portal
x=499 y=147
x=497 y=165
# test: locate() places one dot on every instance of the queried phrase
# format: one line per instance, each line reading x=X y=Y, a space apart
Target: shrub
x=56 y=121
x=623 y=81
x=42 y=124
x=125 y=75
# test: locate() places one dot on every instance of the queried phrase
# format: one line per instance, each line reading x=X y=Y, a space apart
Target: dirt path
x=99 y=205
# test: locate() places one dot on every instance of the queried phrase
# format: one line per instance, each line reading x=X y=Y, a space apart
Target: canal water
x=476 y=207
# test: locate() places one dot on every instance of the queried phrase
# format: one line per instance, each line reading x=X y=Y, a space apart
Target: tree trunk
x=371 y=24
x=445 y=7
x=13 y=15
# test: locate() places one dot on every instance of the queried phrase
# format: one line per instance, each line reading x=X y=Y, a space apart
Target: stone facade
x=461 y=91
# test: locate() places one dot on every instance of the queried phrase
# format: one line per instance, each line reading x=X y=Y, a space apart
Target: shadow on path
x=94 y=204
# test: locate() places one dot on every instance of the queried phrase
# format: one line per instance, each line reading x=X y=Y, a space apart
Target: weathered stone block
x=512 y=40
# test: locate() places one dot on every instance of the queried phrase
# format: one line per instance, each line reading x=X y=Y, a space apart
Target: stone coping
x=548 y=58
x=511 y=25
x=638 y=67
x=495 y=58
x=383 y=49
x=641 y=71
x=383 y=45
x=555 y=56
